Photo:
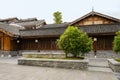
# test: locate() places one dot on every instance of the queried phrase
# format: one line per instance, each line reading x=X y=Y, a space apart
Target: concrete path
x=9 y=70
x=117 y=75
x=10 y=60
x=100 y=64
x=17 y=72
x=97 y=64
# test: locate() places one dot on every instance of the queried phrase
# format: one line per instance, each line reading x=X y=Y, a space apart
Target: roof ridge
x=41 y=28
x=95 y=13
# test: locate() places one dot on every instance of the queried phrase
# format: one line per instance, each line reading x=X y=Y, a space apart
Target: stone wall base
x=56 y=63
x=8 y=53
x=103 y=54
x=114 y=65
x=100 y=53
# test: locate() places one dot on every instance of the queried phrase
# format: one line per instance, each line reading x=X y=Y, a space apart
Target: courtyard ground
x=9 y=70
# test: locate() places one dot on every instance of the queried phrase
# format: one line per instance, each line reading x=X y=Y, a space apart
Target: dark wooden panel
x=42 y=44
x=105 y=43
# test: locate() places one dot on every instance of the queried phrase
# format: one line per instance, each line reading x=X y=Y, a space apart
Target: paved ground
x=10 y=60
x=9 y=70
x=16 y=72
x=99 y=64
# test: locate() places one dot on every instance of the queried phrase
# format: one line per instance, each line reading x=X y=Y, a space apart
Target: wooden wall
x=8 y=44
x=42 y=44
x=104 y=42
x=94 y=20
x=14 y=45
x=5 y=42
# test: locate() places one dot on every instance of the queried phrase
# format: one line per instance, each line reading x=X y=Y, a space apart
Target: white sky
x=43 y=9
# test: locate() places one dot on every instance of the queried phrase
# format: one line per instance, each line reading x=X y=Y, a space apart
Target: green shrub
x=118 y=60
x=116 y=43
x=75 y=41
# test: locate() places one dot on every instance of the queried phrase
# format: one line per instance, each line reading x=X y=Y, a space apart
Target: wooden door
x=104 y=43
x=0 y=44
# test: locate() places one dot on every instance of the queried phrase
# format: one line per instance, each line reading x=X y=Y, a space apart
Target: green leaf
x=75 y=41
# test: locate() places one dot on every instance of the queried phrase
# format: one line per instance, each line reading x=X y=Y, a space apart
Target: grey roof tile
x=12 y=29
x=103 y=28
x=55 y=25
x=55 y=30
x=31 y=23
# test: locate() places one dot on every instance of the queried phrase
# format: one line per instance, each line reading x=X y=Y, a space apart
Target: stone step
x=101 y=62
x=102 y=66
x=117 y=75
x=102 y=69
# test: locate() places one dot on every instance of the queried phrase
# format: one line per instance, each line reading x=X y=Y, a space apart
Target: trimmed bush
x=75 y=41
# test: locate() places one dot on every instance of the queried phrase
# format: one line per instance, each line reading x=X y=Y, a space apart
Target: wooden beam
x=103 y=34
x=46 y=36
x=6 y=32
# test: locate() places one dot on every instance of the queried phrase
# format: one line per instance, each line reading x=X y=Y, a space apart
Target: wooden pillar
x=95 y=46
x=2 y=45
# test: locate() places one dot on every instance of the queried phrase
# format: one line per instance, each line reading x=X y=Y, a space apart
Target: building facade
x=32 y=34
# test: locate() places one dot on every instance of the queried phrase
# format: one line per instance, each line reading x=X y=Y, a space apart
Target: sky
x=44 y=9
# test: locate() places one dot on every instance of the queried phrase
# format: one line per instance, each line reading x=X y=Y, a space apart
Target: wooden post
x=95 y=47
x=18 y=41
x=2 y=45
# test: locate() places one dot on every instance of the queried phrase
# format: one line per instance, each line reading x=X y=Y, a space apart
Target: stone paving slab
x=17 y=72
x=20 y=74
x=117 y=75
x=10 y=60
x=98 y=62
x=102 y=69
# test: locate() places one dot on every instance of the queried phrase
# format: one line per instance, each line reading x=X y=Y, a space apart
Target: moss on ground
x=117 y=59
x=68 y=58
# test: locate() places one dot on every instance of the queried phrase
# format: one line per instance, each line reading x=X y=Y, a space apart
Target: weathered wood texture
x=94 y=20
x=42 y=44
x=104 y=42
x=5 y=42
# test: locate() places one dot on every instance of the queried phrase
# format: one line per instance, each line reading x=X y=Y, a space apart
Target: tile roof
x=55 y=25
x=101 y=28
x=95 y=13
x=90 y=29
x=8 y=19
x=28 y=19
x=10 y=29
x=30 y=23
x=46 y=30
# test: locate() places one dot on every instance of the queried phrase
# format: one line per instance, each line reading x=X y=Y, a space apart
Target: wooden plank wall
x=5 y=42
x=94 y=20
x=104 y=42
x=42 y=44
x=14 y=45
x=8 y=44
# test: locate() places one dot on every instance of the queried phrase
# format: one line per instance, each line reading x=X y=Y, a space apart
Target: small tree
x=75 y=41
x=116 y=43
x=57 y=17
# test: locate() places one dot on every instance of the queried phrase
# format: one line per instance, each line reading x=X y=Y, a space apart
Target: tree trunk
x=74 y=55
x=66 y=55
